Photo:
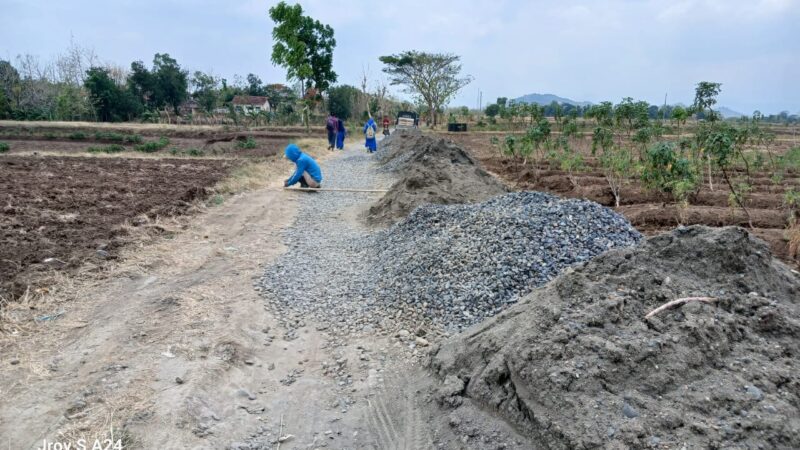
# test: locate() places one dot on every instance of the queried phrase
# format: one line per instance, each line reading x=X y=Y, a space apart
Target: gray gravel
x=462 y=263
x=444 y=266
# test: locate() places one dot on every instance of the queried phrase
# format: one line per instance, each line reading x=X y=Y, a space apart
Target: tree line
x=510 y=110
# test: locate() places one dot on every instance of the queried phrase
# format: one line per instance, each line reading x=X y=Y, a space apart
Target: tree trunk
x=736 y=197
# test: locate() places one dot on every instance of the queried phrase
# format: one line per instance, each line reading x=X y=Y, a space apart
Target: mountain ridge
x=546 y=99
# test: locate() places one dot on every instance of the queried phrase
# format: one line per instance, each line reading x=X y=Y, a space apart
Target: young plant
x=4 y=147
x=723 y=144
x=618 y=164
x=666 y=169
x=570 y=161
x=153 y=146
x=249 y=143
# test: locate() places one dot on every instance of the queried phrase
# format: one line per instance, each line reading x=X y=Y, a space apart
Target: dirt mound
x=431 y=170
x=576 y=365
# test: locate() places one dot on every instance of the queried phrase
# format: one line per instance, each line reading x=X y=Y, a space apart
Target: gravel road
x=441 y=269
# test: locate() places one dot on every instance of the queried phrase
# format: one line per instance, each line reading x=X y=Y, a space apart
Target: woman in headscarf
x=340 y=135
x=370 y=130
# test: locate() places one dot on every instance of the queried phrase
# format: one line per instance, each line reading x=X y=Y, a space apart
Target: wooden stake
x=679 y=301
x=382 y=191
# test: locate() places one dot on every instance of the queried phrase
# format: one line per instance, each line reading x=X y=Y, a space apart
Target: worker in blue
x=340 y=135
x=370 y=129
x=307 y=173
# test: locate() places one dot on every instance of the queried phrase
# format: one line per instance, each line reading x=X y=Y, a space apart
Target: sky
x=586 y=50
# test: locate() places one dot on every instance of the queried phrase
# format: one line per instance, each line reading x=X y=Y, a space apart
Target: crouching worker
x=307 y=173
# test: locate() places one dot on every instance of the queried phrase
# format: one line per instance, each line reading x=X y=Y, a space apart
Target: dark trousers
x=331 y=139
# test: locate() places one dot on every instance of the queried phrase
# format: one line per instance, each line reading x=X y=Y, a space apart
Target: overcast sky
x=582 y=49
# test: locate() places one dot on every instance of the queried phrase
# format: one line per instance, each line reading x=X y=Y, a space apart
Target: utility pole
x=480 y=100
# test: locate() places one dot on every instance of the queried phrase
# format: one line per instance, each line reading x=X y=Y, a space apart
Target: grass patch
x=118 y=137
x=113 y=148
x=152 y=146
x=4 y=147
x=248 y=176
x=175 y=151
x=249 y=143
x=77 y=136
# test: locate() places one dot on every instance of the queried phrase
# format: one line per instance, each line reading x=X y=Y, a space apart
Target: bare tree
x=365 y=89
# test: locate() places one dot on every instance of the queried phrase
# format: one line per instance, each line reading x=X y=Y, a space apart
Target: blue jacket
x=304 y=163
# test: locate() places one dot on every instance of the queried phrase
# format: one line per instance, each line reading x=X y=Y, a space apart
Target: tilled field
x=650 y=212
x=69 y=210
x=263 y=146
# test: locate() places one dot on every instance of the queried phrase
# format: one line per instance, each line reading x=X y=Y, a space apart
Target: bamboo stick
x=382 y=191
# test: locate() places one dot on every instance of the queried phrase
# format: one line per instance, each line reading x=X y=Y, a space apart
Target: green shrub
x=791 y=160
x=133 y=139
x=49 y=135
x=4 y=147
x=195 y=152
x=668 y=170
x=77 y=136
x=152 y=146
x=113 y=148
x=250 y=143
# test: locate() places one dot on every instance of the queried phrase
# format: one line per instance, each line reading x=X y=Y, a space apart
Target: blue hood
x=292 y=152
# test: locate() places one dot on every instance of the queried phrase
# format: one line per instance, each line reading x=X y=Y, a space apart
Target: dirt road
x=173 y=348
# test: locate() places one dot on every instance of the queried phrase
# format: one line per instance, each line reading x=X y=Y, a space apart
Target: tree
x=341 y=100
x=679 y=115
x=433 y=77
x=705 y=96
x=9 y=89
x=205 y=90
x=492 y=110
x=142 y=84
x=172 y=82
x=255 y=86
x=280 y=96
x=110 y=101
x=303 y=46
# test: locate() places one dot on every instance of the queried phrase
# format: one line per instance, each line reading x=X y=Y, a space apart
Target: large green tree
x=433 y=77
x=165 y=85
x=341 y=100
x=206 y=91
x=111 y=102
x=303 y=46
x=705 y=97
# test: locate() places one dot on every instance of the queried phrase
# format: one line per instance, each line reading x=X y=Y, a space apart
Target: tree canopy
x=341 y=101
x=433 y=77
x=303 y=46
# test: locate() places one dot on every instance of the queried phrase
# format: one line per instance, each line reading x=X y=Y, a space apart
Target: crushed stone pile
x=459 y=264
x=430 y=171
x=575 y=364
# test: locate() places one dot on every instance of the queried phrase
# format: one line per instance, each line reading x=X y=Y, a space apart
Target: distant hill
x=546 y=99
x=728 y=113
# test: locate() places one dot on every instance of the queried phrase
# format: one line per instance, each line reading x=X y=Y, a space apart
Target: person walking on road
x=340 y=134
x=370 y=129
x=330 y=126
x=307 y=173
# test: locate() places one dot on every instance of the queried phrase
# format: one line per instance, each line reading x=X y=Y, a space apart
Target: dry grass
x=257 y=174
x=793 y=235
